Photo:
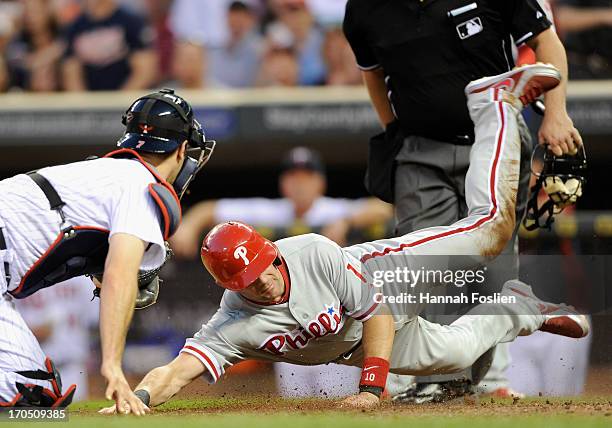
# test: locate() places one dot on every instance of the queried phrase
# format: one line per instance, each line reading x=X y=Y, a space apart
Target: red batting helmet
x=235 y=255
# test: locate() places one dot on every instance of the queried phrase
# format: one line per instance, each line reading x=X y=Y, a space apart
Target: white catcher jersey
x=106 y=193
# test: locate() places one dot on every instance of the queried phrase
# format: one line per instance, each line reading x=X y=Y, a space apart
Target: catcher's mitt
x=148 y=283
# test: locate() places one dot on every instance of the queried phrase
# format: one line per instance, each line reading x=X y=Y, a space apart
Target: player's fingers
x=577 y=137
x=109 y=392
x=138 y=407
x=555 y=149
x=571 y=146
x=564 y=147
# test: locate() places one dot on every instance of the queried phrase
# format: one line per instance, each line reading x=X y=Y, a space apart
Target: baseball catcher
x=108 y=218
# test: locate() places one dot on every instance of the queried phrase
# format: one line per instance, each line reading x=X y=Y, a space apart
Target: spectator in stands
x=339 y=60
x=66 y=11
x=296 y=28
x=35 y=52
x=279 y=67
x=587 y=29
x=189 y=65
x=108 y=48
x=6 y=28
x=327 y=12
x=193 y=22
x=235 y=63
x=158 y=12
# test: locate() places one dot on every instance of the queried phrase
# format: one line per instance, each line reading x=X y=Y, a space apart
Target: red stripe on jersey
x=368 y=312
x=479 y=223
x=356 y=272
x=206 y=358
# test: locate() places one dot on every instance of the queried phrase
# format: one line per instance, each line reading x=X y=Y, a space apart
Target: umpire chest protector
x=82 y=250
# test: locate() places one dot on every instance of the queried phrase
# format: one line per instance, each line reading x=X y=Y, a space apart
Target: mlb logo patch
x=469 y=28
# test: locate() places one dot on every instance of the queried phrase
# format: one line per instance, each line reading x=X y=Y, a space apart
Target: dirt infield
x=471 y=406
x=268 y=412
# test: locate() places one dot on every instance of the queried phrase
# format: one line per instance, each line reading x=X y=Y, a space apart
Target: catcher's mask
x=160 y=123
x=562 y=178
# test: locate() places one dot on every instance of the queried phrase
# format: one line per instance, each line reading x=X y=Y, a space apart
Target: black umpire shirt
x=431 y=49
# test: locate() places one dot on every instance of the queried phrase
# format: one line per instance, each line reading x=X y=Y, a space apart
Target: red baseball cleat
x=560 y=318
x=520 y=86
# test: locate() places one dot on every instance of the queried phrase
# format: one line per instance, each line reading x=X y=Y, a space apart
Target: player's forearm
x=117 y=298
x=161 y=384
x=549 y=49
x=378 y=335
x=377 y=88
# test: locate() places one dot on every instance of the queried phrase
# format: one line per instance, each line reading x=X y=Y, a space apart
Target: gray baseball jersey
x=332 y=292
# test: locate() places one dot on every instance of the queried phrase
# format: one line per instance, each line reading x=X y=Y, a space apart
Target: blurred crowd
x=76 y=45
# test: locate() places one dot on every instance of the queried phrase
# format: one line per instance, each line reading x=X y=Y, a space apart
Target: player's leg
x=24 y=368
x=491 y=181
x=422 y=347
x=19 y=350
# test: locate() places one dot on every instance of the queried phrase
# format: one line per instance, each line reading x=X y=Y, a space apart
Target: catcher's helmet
x=562 y=178
x=235 y=255
x=160 y=123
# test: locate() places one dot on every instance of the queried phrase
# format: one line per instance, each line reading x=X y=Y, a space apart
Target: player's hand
x=119 y=390
x=337 y=231
x=110 y=410
x=559 y=133
x=363 y=400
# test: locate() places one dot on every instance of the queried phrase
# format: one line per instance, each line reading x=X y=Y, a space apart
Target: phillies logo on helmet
x=241 y=253
x=145 y=128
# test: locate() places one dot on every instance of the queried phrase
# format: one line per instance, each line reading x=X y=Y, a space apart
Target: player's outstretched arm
x=117 y=298
x=377 y=339
x=162 y=383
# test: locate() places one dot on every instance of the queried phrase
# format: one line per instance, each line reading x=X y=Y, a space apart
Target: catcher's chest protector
x=82 y=250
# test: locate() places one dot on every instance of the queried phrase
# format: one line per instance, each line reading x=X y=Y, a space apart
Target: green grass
x=277 y=413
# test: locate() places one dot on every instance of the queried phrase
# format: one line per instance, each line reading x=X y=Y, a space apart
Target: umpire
x=416 y=58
